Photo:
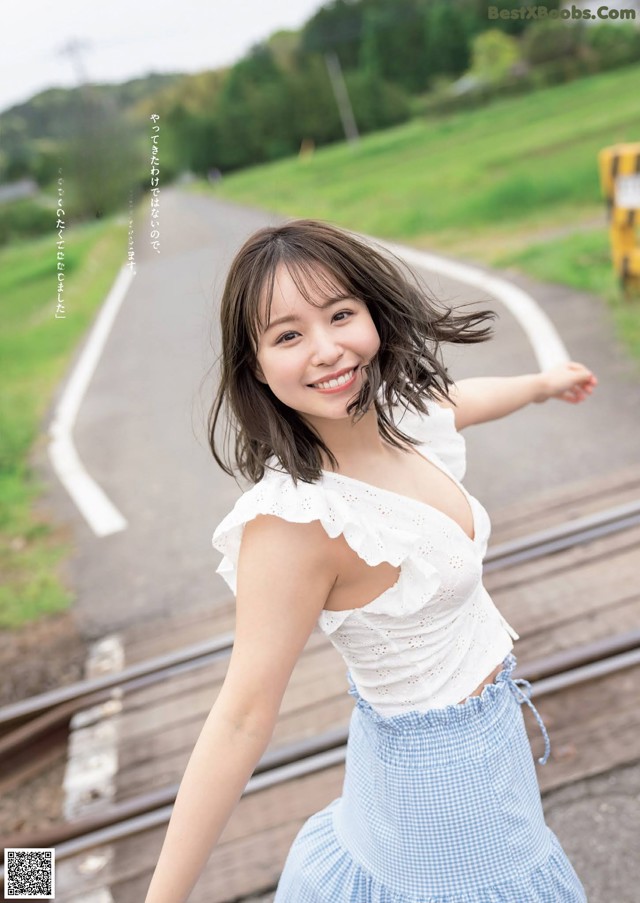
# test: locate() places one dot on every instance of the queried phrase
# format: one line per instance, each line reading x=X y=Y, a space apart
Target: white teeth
x=332 y=383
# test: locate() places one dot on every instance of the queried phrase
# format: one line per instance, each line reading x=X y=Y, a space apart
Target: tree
x=337 y=27
x=494 y=54
x=447 y=48
x=376 y=104
x=313 y=105
x=101 y=159
x=552 y=39
x=253 y=122
x=515 y=22
x=378 y=36
x=284 y=46
x=614 y=44
x=371 y=54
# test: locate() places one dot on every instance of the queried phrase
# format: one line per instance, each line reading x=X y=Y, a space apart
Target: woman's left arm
x=489 y=397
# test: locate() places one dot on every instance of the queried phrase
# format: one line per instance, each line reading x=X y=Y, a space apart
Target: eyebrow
x=290 y=318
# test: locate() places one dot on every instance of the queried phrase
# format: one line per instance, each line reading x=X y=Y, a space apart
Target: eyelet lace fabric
x=430 y=639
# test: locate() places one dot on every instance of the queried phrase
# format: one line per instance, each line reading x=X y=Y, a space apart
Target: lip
x=335 y=376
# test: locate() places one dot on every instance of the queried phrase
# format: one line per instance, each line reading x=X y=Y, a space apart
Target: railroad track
x=548 y=675
x=39 y=714
x=33 y=725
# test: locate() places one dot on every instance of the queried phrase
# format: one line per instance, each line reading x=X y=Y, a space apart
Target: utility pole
x=73 y=49
x=342 y=97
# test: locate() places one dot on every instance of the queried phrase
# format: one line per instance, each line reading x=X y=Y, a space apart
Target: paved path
x=141 y=430
x=141 y=434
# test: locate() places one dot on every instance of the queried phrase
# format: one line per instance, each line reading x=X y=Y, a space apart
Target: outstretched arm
x=489 y=397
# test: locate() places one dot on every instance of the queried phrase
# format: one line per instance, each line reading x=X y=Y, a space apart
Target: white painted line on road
x=100 y=513
x=545 y=340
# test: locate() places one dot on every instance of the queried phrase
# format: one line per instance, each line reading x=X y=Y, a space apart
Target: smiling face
x=311 y=357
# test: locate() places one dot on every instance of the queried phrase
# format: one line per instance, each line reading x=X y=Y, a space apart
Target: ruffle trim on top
x=277 y=494
x=370 y=538
x=319 y=868
x=397 y=601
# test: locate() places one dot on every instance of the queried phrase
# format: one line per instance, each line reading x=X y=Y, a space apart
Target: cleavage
x=416 y=470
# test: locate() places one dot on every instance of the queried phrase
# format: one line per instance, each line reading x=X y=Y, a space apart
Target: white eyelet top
x=430 y=639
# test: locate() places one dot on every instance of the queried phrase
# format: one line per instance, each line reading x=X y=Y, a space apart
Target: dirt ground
x=36 y=658
x=41 y=656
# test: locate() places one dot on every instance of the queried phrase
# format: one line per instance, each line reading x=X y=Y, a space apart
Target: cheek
x=373 y=338
x=280 y=368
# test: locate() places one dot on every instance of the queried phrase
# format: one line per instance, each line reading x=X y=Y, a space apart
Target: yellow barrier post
x=620 y=182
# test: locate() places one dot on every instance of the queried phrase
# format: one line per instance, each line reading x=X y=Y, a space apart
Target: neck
x=351 y=443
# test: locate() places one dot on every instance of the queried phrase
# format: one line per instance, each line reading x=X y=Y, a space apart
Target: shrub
x=614 y=45
x=24 y=219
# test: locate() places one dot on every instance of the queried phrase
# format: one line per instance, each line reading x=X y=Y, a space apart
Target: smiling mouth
x=336 y=383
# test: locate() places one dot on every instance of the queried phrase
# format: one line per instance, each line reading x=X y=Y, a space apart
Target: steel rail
x=132 y=677
x=507 y=554
x=314 y=754
x=557 y=539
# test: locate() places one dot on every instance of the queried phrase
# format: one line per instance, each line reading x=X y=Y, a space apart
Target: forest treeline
x=397 y=59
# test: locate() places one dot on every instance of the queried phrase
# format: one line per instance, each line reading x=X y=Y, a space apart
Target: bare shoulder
x=302 y=550
x=286 y=571
x=272 y=530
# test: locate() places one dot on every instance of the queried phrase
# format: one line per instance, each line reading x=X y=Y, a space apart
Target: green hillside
x=514 y=184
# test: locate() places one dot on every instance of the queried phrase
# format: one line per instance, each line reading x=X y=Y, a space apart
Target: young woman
x=344 y=418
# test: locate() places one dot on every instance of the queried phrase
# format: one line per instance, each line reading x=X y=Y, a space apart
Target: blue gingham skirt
x=440 y=806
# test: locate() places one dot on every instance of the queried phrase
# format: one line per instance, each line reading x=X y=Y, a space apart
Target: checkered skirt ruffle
x=441 y=806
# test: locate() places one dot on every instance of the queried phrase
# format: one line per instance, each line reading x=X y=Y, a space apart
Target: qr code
x=29 y=873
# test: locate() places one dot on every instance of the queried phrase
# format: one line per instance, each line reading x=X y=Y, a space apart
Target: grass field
x=512 y=184
x=35 y=349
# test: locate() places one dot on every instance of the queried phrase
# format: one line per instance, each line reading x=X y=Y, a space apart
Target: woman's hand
x=569 y=381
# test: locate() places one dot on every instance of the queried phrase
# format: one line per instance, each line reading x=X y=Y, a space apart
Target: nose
x=326 y=350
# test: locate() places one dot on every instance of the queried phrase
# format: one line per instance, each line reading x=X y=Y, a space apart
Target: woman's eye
x=285 y=337
x=341 y=312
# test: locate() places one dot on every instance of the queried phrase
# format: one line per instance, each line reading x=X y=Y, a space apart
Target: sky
x=123 y=39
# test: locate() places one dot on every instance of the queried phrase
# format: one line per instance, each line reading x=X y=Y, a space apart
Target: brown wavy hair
x=406 y=371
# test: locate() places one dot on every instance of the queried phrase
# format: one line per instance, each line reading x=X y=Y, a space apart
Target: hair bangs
x=324 y=261
x=314 y=277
